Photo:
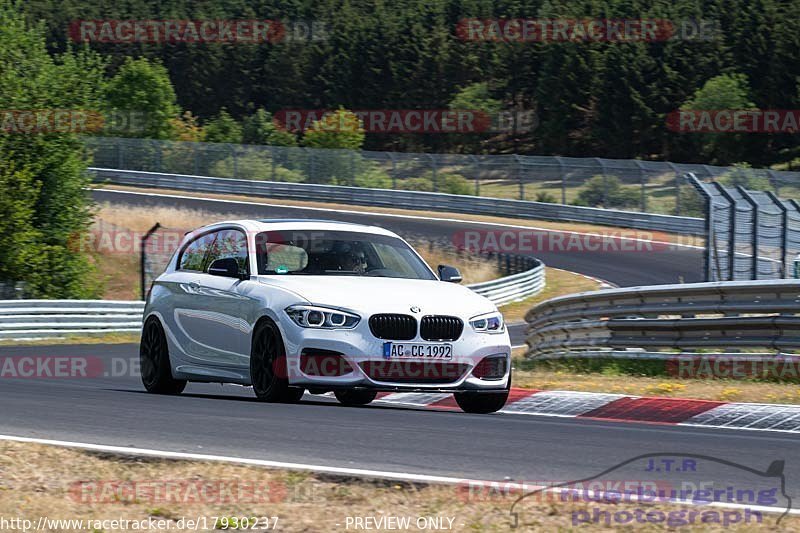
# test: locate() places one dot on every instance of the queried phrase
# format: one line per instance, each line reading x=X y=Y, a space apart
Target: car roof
x=284 y=224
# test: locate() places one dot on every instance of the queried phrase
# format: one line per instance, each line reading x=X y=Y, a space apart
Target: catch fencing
x=624 y=184
x=751 y=234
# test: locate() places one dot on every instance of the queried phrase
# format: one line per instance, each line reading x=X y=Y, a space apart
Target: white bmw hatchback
x=287 y=306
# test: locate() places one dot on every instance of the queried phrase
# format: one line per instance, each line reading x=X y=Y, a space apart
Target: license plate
x=397 y=350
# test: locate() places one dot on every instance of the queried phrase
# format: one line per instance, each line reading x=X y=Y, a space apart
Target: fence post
x=710 y=234
x=563 y=181
x=731 y=231
x=605 y=181
x=755 y=238
x=157 y=148
x=435 y=174
x=643 y=181
x=235 y=162
x=477 y=177
x=272 y=161
x=352 y=167
x=143 y=259
x=678 y=179
x=394 y=170
x=784 y=231
x=120 y=157
x=195 y=158
x=518 y=170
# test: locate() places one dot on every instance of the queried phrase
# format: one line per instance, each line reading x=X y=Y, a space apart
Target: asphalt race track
x=112 y=408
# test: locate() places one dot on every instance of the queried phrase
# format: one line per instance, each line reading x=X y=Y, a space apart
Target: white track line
x=356 y=472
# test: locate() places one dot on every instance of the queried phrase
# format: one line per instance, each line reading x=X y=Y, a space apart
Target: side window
x=229 y=243
x=193 y=255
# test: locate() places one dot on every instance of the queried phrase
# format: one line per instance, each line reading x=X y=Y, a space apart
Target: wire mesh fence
x=751 y=234
x=633 y=185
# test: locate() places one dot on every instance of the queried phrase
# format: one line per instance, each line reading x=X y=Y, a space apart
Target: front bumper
x=363 y=354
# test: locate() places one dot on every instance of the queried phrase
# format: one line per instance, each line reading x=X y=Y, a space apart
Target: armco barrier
x=41 y=319
x=514 y=287
x=670 y=321
x=35 y=319
x=426 y=201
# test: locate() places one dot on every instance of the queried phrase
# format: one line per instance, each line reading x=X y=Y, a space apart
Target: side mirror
x=449 y=274
x=227 y=267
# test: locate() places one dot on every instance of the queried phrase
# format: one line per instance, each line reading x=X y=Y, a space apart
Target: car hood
x=368 y=295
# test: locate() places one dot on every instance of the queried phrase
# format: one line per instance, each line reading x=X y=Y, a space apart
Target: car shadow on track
x=305 y=401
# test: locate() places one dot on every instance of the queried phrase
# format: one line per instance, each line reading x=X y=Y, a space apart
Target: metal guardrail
x=511 y=288
x=36 y=319
x=669 y=321
x=43 y=319
x=425 y=201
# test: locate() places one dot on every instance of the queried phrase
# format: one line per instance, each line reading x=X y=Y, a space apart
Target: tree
x=143 y=89
x=608 y=192
x=727 y=91
x=223 y=129
x=476 y=98
x=186 y=128
x=44 y=207
x=259 y=128
x=338 y=129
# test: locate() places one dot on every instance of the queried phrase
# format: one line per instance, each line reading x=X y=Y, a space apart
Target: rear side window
x=193 y=256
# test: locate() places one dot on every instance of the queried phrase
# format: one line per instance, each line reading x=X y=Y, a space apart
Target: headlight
x=313 y=316
x=489 y=323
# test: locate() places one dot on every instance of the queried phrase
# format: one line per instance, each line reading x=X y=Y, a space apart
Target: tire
x=355 y=397
x=156 y=370
x=268 y=369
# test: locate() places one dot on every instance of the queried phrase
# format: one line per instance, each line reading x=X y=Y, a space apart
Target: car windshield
x=337 y=253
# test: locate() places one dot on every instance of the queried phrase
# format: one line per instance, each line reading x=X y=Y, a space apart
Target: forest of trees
x=607 y=99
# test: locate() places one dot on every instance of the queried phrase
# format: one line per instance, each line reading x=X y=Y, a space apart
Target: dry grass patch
x=60 y=483
x=99 y=338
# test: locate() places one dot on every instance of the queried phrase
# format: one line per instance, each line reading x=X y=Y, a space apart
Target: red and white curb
x=622 y=408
